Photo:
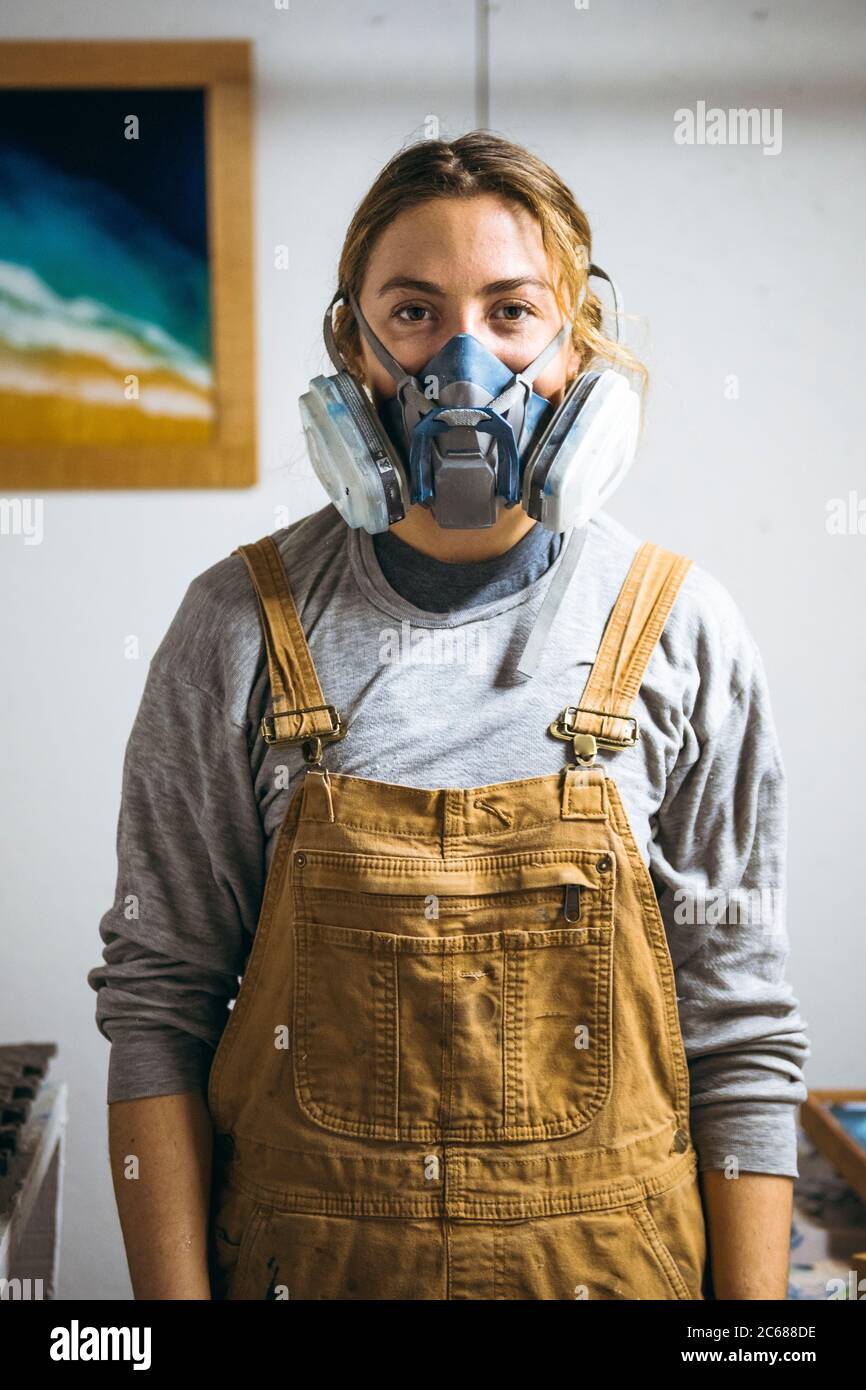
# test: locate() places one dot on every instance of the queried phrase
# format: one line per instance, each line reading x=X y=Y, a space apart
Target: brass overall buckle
x=311 y=744
x=585 y=744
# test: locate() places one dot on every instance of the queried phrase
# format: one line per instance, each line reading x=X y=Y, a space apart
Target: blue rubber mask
x=464 y=426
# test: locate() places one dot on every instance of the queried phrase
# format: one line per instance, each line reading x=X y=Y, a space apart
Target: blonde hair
x=481 y=162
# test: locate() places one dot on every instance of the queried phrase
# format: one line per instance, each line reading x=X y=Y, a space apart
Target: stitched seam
x=480 y=863
x=624 y=1197
x=423 y=832
x=645 y=1223
x=689 y=1159
x=656 y=932
x=258 y=950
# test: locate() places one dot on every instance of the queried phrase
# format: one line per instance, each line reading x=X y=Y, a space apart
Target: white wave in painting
x=34 y=319
x=162 y=400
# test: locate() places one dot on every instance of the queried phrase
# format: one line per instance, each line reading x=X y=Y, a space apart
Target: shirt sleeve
x=190 y=874
x=718 y=863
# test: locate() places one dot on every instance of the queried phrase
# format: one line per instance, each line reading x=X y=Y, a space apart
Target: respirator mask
x=466 y=436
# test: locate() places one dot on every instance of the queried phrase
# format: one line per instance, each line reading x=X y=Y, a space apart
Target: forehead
x=460 y=243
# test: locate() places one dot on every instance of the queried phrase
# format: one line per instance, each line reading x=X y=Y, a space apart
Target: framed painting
x=126 y=267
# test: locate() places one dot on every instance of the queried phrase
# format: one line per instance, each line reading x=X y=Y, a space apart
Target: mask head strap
x=405 y=381
x=390 y=363
x=617 y=298
x=522 y=381
x=328 y=334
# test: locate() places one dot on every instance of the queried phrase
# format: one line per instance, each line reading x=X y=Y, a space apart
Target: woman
x=495 y=1038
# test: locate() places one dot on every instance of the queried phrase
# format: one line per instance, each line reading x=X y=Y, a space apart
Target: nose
x=468 y=320
x=462 y=316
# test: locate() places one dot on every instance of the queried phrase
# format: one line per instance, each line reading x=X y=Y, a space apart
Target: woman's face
x=463 y=265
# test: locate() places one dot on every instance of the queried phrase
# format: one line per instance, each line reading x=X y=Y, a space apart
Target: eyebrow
x=402 y=282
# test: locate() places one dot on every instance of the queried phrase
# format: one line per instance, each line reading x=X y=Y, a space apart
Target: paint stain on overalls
x=454 y=1069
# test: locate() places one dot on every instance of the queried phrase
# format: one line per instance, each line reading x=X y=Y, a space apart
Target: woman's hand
x=749 y=1230
x=161 y=1151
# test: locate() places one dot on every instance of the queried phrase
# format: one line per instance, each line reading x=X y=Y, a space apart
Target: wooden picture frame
x=227 y=457
x=831 y=1139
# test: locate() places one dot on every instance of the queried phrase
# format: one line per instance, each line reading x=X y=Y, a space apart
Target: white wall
x=740 y=263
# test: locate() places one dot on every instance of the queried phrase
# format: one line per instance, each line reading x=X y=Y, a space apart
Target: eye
x=410 y=308
x=524 y=309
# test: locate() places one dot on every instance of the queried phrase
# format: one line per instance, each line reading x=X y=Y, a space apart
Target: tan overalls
x=454 y=1069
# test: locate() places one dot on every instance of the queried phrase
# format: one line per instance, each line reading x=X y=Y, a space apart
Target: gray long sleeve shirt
x=419 y=656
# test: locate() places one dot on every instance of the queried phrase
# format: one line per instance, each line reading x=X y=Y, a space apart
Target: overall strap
x=633 y=628
x=300 y=714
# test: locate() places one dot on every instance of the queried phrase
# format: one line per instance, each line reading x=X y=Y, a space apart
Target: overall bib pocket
x=428 y=1007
